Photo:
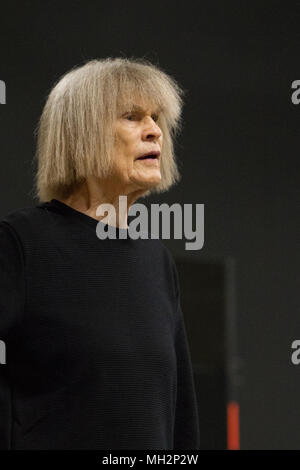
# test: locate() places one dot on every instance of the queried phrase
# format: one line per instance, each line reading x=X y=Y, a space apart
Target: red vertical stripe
x=233 y=426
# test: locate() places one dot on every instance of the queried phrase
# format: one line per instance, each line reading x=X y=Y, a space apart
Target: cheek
x=123 y=159
x=124 y=145
x=127 y=146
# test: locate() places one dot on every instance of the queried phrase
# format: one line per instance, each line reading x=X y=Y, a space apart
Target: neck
x=103 y=204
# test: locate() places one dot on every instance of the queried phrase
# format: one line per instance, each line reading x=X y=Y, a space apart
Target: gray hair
x=75 y=136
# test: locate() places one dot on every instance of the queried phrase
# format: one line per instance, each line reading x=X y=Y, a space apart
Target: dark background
x=238 y=153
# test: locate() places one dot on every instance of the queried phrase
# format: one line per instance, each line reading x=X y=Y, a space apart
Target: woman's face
x=136 y=134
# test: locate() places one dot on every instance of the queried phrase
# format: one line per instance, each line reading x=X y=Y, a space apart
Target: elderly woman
x=96 y=350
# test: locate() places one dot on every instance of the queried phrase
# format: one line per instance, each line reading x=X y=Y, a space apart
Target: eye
x=154 y=117
x=130 y=116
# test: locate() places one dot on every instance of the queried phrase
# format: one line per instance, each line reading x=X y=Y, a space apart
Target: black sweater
x=96 y=349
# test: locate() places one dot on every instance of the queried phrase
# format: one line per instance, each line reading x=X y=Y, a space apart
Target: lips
x=150 y=155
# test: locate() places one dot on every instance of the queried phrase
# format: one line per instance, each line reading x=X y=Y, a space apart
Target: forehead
x=139 y=104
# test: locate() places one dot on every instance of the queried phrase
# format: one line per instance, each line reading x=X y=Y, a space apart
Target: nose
x=151 y=130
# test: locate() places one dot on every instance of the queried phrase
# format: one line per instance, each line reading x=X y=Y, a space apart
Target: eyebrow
x=136 y=107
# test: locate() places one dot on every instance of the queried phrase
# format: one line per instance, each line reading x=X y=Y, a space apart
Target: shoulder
x=17 y=216
x=168 y=257
x=24 y=221
x=159 y=251
x=164 y=263
x=10 y=245
x=12 y=278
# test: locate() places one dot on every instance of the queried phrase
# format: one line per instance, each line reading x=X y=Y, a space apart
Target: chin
x=149 y=182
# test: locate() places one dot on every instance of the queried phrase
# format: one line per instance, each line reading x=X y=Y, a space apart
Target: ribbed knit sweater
x=97 y=355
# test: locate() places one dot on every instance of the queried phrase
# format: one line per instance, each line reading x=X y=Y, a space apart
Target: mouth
x=150 y=156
